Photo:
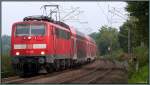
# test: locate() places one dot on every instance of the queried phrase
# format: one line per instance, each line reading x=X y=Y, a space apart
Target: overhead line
x=70 y=13
x=103 y=13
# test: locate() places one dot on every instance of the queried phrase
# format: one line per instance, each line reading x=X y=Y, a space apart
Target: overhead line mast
x=52 y=11
x=129 y=30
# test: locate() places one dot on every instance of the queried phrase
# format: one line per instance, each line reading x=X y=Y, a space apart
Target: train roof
x=49 y=19
x=45 y=18
x=85 y=36
x=80 y=33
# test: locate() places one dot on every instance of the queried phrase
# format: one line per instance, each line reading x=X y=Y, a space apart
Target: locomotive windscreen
x=32 y=30
x=37 y=30
x=22 y=29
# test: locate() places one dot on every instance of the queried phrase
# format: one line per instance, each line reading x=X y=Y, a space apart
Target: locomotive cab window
x=30 y=29
x=22 y=30
x=37 y=30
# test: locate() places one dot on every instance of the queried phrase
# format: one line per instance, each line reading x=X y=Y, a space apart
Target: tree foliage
x=140 y=10
x=94 y=35
x=123 y=35
x=106 y=37
x=138 y=25
x=6 y=67
x=5 y=44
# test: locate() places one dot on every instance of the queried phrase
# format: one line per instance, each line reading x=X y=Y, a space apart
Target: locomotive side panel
x=50 y=44
x=62 y=43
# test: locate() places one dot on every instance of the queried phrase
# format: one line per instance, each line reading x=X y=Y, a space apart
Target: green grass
x=141 y=76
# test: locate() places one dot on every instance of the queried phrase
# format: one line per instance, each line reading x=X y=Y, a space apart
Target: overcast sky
x=92 y=15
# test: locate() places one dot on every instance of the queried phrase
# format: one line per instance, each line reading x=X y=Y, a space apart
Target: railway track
x=91 y=76
x=61 y=77
x=116 y=76
x=86 y=77
x=94 y=75
x=74 y=75
x=9 y=78
x=17 y=79
x=103 y=74
x=86 y=72
x=90 y=73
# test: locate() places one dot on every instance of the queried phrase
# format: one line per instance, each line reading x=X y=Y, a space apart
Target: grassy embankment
x=142 y=74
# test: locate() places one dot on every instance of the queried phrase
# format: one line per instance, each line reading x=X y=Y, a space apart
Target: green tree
x=6 y=67
x=94 y=35
x=140 y=10
x=123 y=34
x=5 y=44
x=108 y=37
x=138 y=22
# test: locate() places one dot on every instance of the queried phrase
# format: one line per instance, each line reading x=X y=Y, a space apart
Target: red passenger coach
x=39 y=43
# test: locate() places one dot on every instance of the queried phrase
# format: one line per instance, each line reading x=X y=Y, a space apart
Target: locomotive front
x=28 y=46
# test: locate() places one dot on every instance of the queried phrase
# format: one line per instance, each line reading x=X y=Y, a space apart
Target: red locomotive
x=38 y=42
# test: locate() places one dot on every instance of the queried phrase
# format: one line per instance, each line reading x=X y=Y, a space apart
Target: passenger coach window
x=57 y=32
x=22 y=30
x=68 y=35
x=37 y=30
x=62 y=34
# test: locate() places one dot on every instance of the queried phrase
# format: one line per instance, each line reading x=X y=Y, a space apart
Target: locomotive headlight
x=42 y=53
x=17 y=53
x=29 y=37
x=41 y=60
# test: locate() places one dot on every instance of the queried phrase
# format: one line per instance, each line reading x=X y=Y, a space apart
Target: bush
x=142 y=55
x=118 y=54
x=6 y=67
x=140 y=76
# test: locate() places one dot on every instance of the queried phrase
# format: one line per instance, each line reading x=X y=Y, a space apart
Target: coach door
x=73 y=48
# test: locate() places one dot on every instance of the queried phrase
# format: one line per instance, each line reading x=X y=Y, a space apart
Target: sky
x=87 y=18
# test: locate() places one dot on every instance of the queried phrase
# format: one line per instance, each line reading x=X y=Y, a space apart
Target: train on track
x=38 y=42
